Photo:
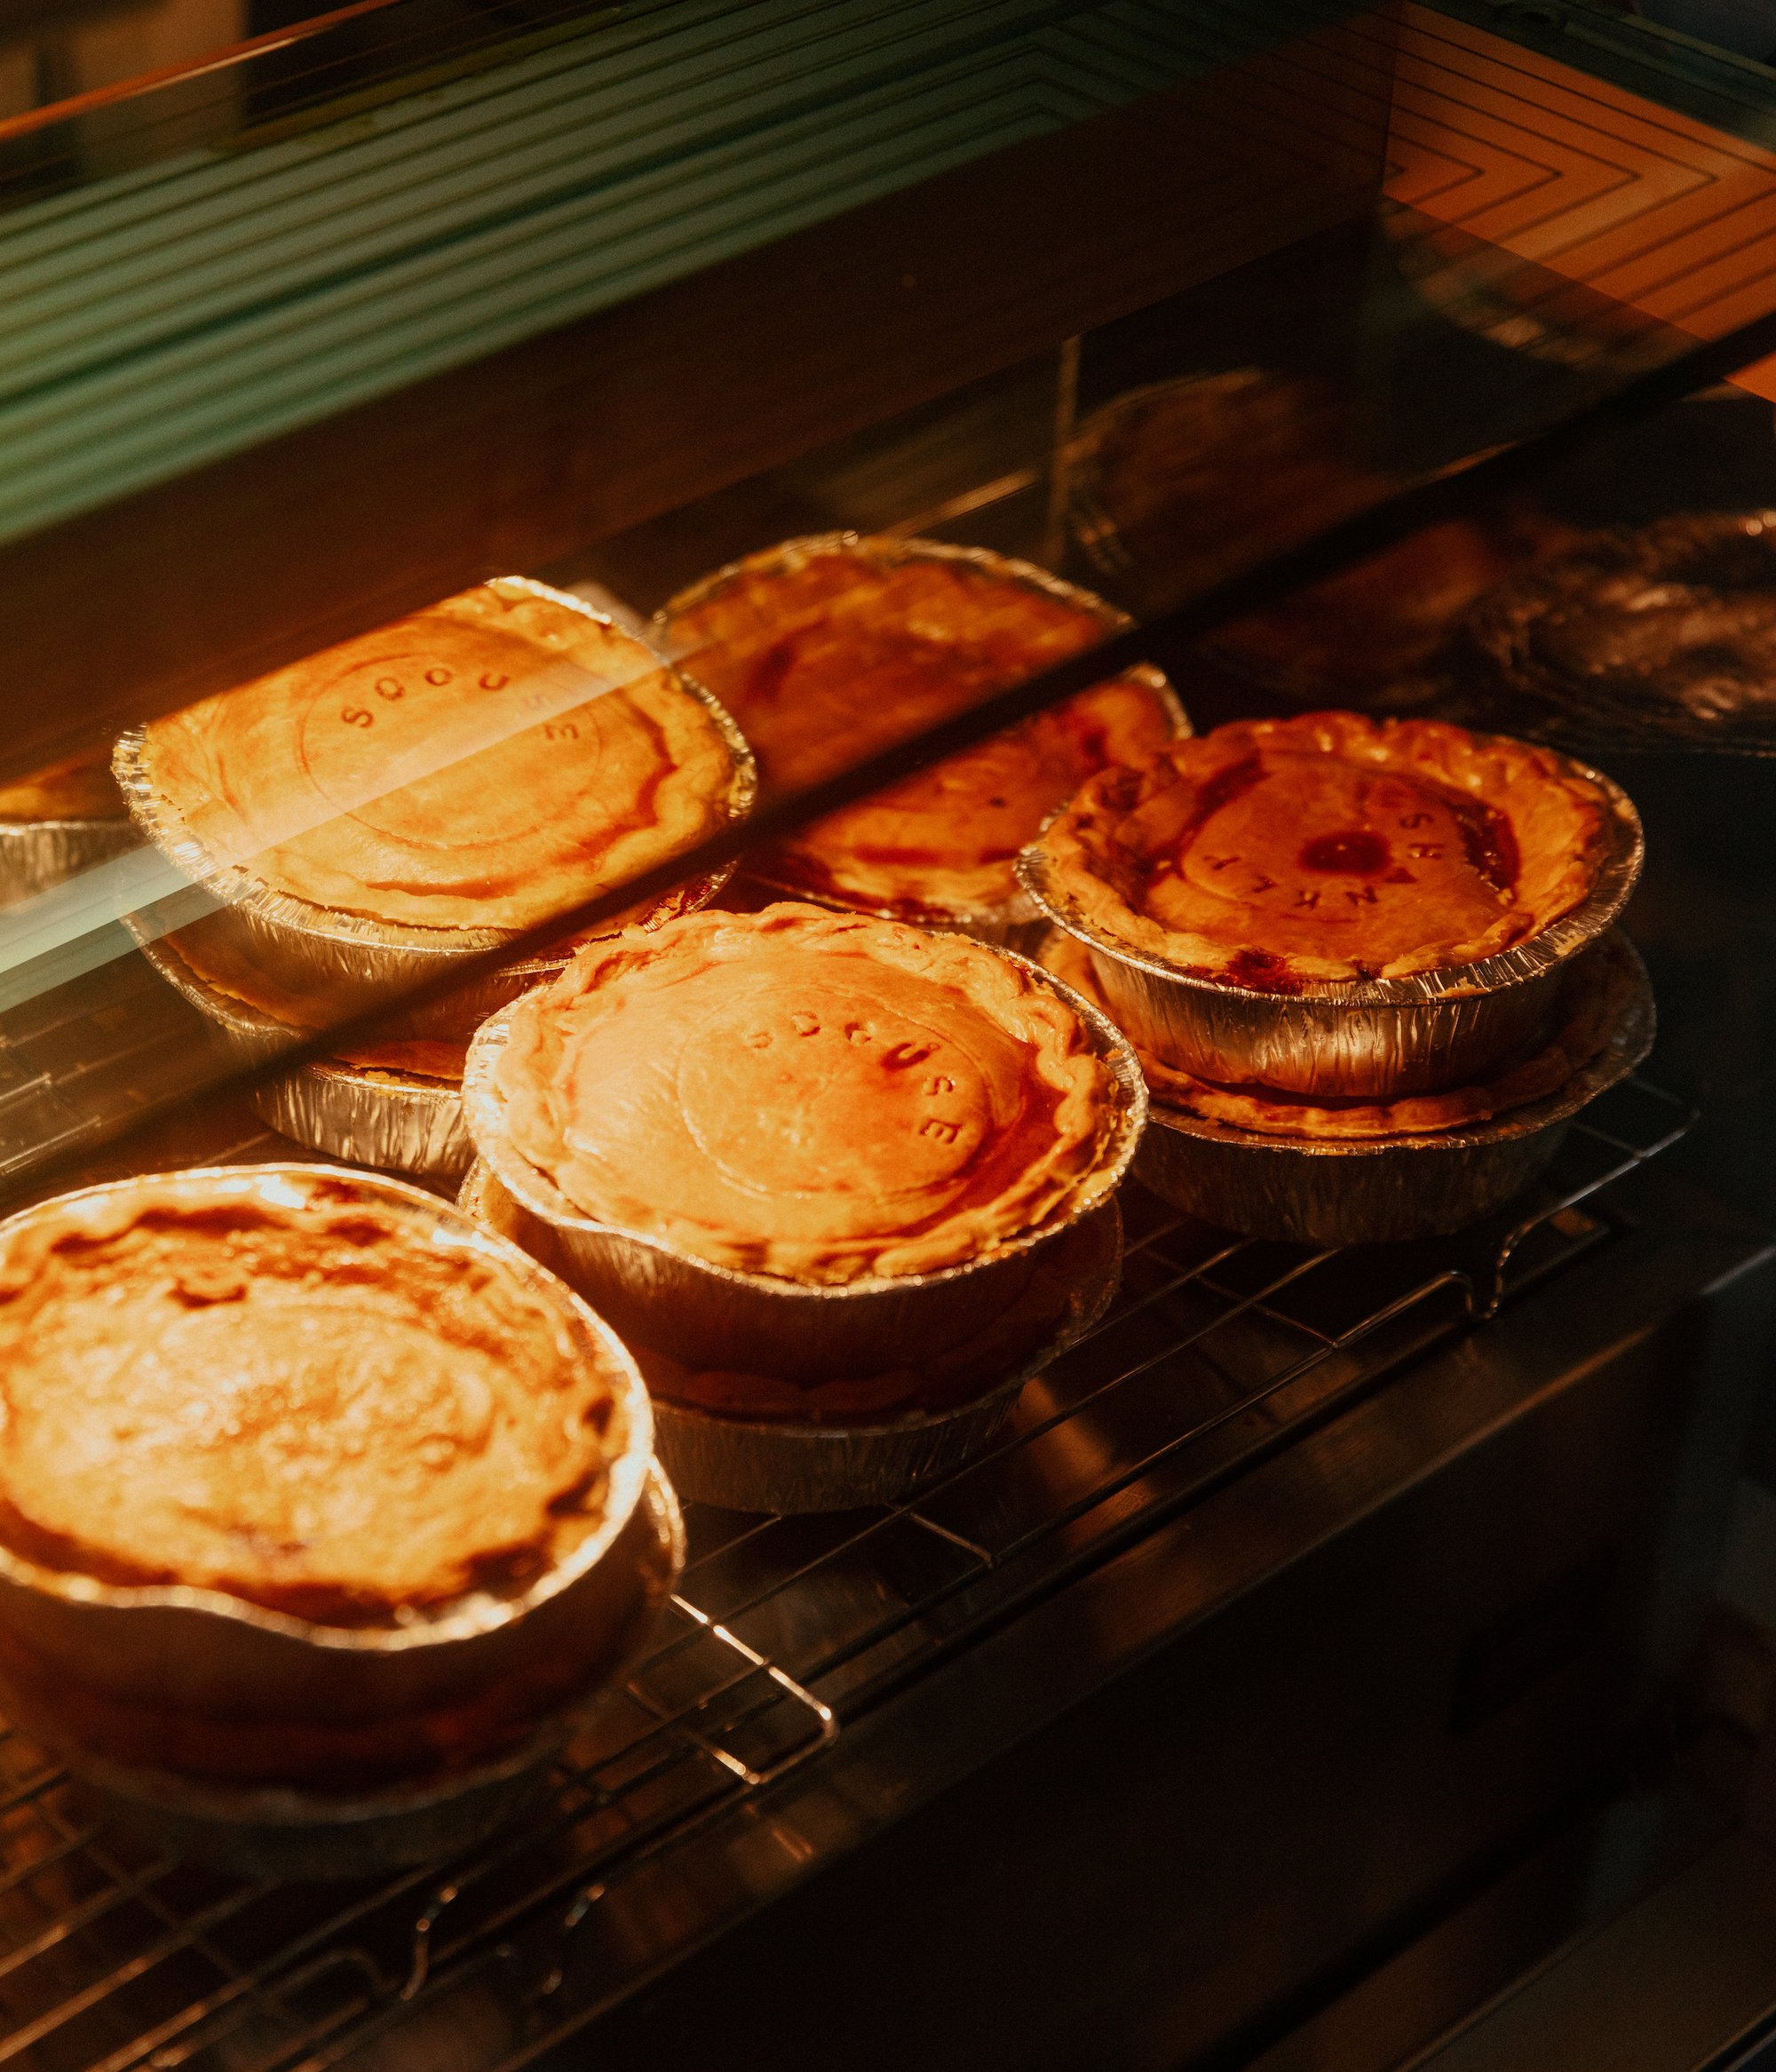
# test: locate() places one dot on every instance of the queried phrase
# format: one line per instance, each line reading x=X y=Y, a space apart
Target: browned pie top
x=810 y=1094
x=304 y=1404
x=1273 y=853
x=827 y=655
x=486 y=762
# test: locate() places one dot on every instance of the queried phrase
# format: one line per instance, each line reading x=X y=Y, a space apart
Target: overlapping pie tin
x=712 y=1317
x=347 y=963
x=1014 y=923
x=35 y=855
x=204 y=1653
x=1456 y=1027
x=282 y=1832
x=397 y=1122
x=1384 y=1190
x=776 y=1466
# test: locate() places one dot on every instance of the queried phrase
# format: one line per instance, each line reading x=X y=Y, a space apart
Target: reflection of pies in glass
x=298 y=1401
x=1181 y=485
x=80 y=787
x=807 y=1094
x=1665 y=634
x=493 y=760
x=1599 y=987
x=1275 y=853
x=827 y=650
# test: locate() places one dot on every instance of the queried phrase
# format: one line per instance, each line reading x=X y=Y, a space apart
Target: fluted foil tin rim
x=887 y=550
x=428 y=1216
x=375 y=1116
x=1390 y=1195
x=291 y=1830
x=793 y=1469
x=232 y=885
x=534 y=1191
x=1560 y=940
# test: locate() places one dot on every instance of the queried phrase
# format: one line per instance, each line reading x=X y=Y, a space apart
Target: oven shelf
x=1218 y=1353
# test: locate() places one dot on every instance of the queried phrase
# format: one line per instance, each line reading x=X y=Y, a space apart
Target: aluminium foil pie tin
x=1453 y=1027
x=285 y=1832
x=1013 y=924
x=399 y=1122
x=711 y=1316
x=778 y=1466
x=35 y=855
x=167 y=1653
x=1384 y=1190
x=344 y=963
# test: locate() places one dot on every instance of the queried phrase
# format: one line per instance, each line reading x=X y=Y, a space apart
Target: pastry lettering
x=1307 y=899
x=757 y=1039
x=356 y=716
x=904 y=1054
x=565 y=731
x=1413 y=820
x=389 y=687
x=805 y=1024
x=1219 y=862
x=859 y=1032
x=1263 y=884
x=939 y=1132
x=941 y=1082
x=1365 y=898
x=494 y=682
x=438 y=676
x=1430 y=849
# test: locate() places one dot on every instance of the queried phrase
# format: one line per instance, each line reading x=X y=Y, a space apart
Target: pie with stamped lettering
x=485 y=763
x=828 y=650
x=819 y=1096
x=498 y=757
x=1273 y=854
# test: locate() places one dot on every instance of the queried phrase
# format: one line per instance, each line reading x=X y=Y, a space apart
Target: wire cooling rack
x=1216 y=1351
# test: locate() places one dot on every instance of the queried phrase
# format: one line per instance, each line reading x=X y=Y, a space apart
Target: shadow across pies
x=427 y=791
x=828 y=648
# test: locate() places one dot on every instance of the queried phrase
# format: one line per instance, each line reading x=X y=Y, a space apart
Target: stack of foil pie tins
x=341 y=965
x=1013 y=924
x=73 y=1646
x=1379 y=1039
x=695 y=1315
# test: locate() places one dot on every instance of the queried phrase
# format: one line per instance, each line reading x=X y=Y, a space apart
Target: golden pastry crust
x=81 y=788
x=809 y=1095
x=384 y=776
x=828 y=654
x=1601 y=986
x=306 y=1407
x=1276 y=853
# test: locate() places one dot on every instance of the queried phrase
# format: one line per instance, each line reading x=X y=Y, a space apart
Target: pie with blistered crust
x=1599 y=988
x=825 y=652
x=1275 y=853
x=813 y=1095
x=303 y=1406
x=495 y=758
